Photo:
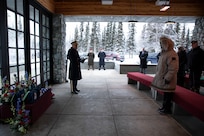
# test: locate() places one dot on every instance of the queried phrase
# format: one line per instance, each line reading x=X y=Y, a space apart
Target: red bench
x=186 y=99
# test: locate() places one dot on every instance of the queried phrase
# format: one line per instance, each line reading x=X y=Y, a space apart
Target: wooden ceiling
x=128 y=7
x=139 y=8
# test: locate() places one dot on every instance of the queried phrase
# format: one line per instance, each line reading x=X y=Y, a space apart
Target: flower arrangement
x=16 y=96
x=21 y=119
x=6 y=92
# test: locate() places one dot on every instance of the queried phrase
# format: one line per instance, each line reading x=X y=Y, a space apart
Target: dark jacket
x=182 y=63
x=91 y=57
x=101 y=56
x=143 y=59
x=74 y=67
x=195 y=59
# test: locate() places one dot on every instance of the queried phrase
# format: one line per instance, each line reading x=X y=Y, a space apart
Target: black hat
x=73 y=42
x=194 y=41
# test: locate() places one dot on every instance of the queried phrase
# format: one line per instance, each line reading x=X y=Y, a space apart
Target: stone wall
x=59 y=53
x=198 y=32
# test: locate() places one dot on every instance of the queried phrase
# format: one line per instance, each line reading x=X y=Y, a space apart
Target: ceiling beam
x=129 y=7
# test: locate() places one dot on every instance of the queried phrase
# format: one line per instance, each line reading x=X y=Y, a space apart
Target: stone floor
x=106 y=106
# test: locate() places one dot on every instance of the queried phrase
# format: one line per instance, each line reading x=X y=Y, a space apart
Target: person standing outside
x=101 y=56
x=195 y=64
x=74 y=67
x=91 y=56
x=143 y=60
x=182 y=66
x=165 y=78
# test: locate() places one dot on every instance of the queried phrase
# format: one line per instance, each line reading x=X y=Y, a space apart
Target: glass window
x=47 y=34
x=44 y=55
x=22 y=72
x=37 y=55
x=20 y=40
x=38 y=80
x=44 y=44
x=37 y=68
x=20 y=23
x=11 y=19
x=36 y=15
x=12 y=57
x=37 y=46
x=44 y=32
x=36 y=29
x=44 y=66
x=48 y=75
x=17 y=41
x=32 y=56
x=32 y=42
x=43 y=20
x=48 y=66
x=48 y=44
x=21 y=56
x=33 y=70
x=11 y=4
x=47 y=22
x=45 y=76
x=11 y=38
x=20 y=6
x=31 y=12
x=13 y=71
x=48 y=55
x=31 y=27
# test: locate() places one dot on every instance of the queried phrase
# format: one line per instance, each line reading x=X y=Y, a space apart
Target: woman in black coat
x=143 y=60
x=74 y=67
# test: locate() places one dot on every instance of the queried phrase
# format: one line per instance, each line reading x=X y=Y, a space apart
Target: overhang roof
x=125 y=10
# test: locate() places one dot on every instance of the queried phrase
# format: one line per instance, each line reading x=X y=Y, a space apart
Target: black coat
x=195 y=59
x=74 y=67
x=101 y=56
x=143 y=59
x=182 y=63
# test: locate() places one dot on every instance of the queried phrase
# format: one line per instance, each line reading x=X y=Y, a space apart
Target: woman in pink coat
x=166 y=73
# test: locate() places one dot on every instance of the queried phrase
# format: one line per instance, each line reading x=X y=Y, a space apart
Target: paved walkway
x=106 y=106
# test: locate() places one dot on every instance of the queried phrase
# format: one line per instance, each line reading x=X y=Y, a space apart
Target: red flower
x=21 y=123
x=6 y=85
x=11 y=91
x=20 y=112
x=5 y=95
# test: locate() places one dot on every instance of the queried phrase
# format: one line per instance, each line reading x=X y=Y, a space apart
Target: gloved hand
x=166 y=81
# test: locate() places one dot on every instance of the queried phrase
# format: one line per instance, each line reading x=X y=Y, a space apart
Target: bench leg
x=154 y=94
x=130 y=81
x=141 y=86
x=138 y=86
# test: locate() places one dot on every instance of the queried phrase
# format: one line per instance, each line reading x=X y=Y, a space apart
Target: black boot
x=166 y=108
x=75 y=92
x=75 y=87
x=161 y=108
